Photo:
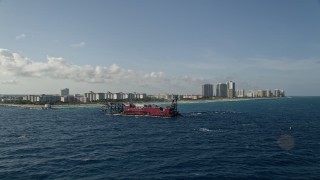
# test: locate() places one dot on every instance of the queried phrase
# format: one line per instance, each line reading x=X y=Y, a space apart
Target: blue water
x=256 y=139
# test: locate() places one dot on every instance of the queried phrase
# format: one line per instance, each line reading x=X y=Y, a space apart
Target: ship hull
x=146 y=110
x=160 y=112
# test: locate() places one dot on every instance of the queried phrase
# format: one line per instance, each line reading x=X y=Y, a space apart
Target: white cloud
x=78 y=45
x=9 y=82
x=21 y=36
x=57 y=68
x=156 y=75
x=13 y=64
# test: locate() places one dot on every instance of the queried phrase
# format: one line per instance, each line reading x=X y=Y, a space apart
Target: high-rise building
x=279 y=93
x=65 y=92
x=100 y=96
x=240 y=93
x=221 y=90
x=91 y=96
x=108 y=95
x=207 y=90
x=268 y=93
x=262 y=93
x=251 y=94
x=231 y=89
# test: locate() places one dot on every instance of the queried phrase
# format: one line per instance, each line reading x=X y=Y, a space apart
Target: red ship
x=145 y=110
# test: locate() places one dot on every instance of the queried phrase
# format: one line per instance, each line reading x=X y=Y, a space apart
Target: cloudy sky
x=158 y=46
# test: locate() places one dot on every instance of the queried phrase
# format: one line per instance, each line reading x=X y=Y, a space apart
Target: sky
x=159 y=46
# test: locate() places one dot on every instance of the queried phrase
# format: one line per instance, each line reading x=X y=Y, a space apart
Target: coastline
x=220 y=100
x=60 y=106
x=93 y=105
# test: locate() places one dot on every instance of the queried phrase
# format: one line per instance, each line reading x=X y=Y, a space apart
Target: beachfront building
x=251 y=94
x=128 y=96
x=240 y=93
x=207 y=90
x=65 y=92
x=269 y=93
x=72 y=98
x=68 y=99
x=77 y=97
x=279 y=93
x=84 y=99
x=221 y=90
x=160 y=96
x=231 y=89
x=139 y=95
x=91 y=96
x=131 y=96
x=191 y=96
x=115 y=95
x=11 y=98
x=108 y=95
x=165 y=96
x=173 y=96
x=123 y=95
x=31 y=98
x=49 y=98
x=261 y=93
x=43 y=98
x=100 y=96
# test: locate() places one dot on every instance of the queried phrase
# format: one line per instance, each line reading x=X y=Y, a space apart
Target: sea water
x=254 y=139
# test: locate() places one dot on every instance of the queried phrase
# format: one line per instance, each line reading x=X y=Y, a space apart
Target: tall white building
x=240 y=93
x=231 y=89
x=91 y=96
x=268 y=93
x=207 y=90
x=262 y=93
x=251 y=94
x=108 y=95
x=32 y=98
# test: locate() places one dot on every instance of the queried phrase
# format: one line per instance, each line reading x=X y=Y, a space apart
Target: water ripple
x=226 y=140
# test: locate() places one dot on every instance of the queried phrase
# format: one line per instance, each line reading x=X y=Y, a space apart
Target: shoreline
x=222 y=100
x=63 y=106
x=60 y=106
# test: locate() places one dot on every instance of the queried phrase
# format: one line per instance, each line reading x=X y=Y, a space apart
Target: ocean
x=253 y=139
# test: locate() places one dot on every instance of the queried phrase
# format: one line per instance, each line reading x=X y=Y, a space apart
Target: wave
x=205 y=130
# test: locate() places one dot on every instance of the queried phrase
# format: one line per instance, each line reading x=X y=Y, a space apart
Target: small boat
x=46 y=106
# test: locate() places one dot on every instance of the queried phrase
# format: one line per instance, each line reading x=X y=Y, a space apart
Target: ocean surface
x=253 y=139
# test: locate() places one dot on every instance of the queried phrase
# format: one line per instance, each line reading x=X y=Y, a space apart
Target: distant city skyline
x=224 y=90
x=159 y=46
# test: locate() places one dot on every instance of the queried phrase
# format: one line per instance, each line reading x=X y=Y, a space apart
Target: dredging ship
x=143 y=110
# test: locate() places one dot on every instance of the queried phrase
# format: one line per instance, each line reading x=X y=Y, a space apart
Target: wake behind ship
x=145 y=110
